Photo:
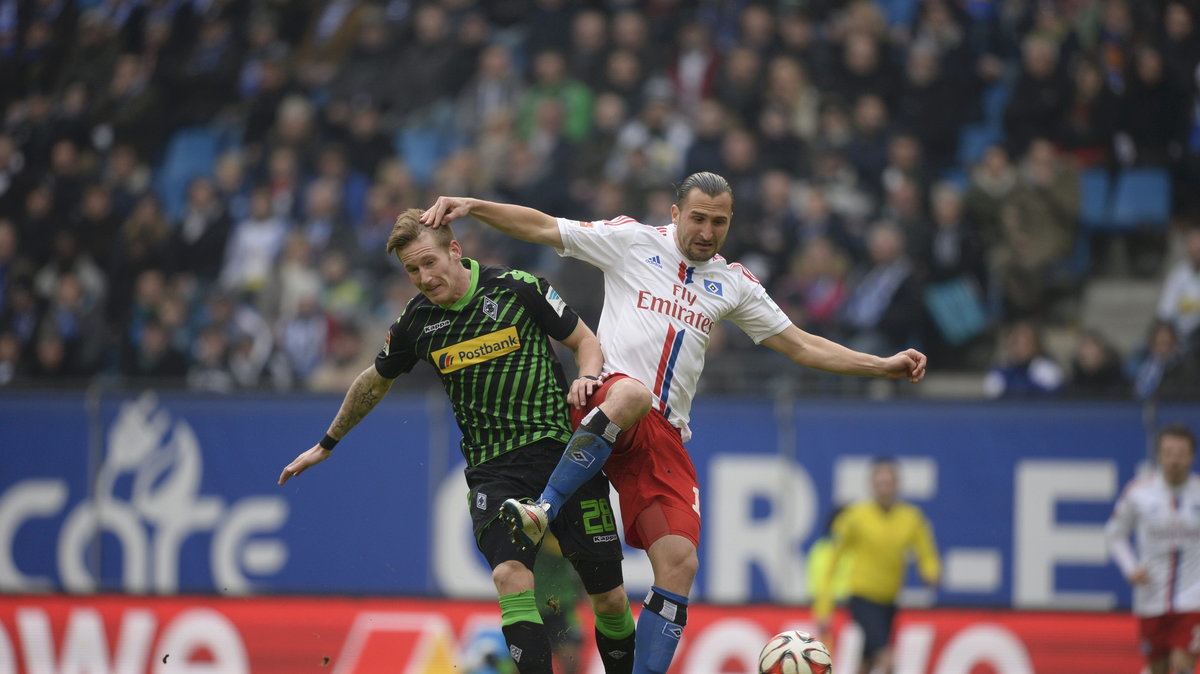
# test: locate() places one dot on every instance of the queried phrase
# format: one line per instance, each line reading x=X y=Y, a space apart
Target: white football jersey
x=660 y=308
x=1166 y=524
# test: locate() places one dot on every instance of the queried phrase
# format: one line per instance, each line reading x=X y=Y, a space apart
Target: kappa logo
x=685 y=273
x=481 y=500
x=434 y=328
x=606 y=538
x=616 y=654
x=655 y=261
x=714 y=287
x=490 y=308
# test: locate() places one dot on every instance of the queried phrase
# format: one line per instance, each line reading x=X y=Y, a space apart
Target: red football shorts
x=653 y=475
x=1163 y=633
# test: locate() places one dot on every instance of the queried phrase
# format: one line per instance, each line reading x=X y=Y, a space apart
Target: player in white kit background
x=665 y=288
x=1162 y=511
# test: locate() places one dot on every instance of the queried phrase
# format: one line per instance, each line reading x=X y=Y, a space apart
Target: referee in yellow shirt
x=880 y=533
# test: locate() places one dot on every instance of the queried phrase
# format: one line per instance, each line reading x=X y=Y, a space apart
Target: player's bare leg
x=674 y=561
x=1182 y=662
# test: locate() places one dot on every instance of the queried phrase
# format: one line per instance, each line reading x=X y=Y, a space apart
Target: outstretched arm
x=589 y=358
x=822 y=354
x=520 y=222
x=364 y=394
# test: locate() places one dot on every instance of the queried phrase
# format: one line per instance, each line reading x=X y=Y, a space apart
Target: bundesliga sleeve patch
x=555 y=302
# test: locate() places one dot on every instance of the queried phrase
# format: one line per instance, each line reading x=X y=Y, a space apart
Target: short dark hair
x=707 y=182
x=1177 y=431
x=408 y=227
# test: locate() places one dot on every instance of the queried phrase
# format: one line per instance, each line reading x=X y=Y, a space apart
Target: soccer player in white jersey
x=665 y=288
x=1162 y=510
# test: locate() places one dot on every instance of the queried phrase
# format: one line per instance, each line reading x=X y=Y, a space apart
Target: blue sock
x=659 y=628
x=586 y=452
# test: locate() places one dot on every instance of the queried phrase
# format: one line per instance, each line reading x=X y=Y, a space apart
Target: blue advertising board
x=170 y=493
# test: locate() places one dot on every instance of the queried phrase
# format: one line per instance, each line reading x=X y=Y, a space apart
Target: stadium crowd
x=197 y=192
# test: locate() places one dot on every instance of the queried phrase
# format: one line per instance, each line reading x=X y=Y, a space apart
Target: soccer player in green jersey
x=487 y=330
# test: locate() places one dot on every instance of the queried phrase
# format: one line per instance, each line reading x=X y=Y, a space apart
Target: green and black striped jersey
x=492 y=353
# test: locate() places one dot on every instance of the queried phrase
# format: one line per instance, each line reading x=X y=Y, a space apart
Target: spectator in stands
x=210 y=370
x=1162 y=354
x=589 y=46
x=337 y=372
x=767 y=247
x=866 y=70
x=127 y=179
x=371 y=62
x=813 y=291
x=142 y=245
x=78 y=322
x=883 y=307
x=929 y=106
x=254 y=246
x=1153 y=113
x=328 y=40
x=659 y=134
x=303 y=337
x=790 y=88
x=1096 y=370
x=68 y=259
x=1039 y=98
x=694 y=66
x=131 y=108
x=155 y=361
x=14 y=179
x=1090 y=119
x=739 y=85
x=495 y=88
x=780 y=149
x=1180 y=45
x=1025 y=370
x=868 y=150
x=199 y=239
x=1038 y=225
x=1179 y=303
x=551 y=80
x=12 y=367
x=96 y=224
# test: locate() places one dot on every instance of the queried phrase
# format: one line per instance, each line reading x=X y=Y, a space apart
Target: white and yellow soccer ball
x=794 y=652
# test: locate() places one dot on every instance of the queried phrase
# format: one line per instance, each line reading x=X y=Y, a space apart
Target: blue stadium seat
x=191 y=153
x=974 y=140
x=956 y=176
x=1094 y=186
x=899 y=12
x=995 y=101
x=1142 y=198
x=422 y=149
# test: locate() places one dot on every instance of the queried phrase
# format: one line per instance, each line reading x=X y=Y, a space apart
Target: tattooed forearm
x=366 y=392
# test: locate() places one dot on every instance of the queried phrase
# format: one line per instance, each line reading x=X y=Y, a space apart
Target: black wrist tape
x=328 y=443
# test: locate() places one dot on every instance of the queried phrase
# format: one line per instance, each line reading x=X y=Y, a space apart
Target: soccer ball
x=794 y=652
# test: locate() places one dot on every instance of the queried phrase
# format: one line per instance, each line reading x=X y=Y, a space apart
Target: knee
x=675 y=567
x=512 y=576
x=612 y=602
x=630 y=400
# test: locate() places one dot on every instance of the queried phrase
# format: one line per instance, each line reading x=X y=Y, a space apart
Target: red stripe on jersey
x=664 y=359
x=1174 y=564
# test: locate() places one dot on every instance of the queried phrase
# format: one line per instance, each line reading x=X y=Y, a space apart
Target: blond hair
x=408 y=228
